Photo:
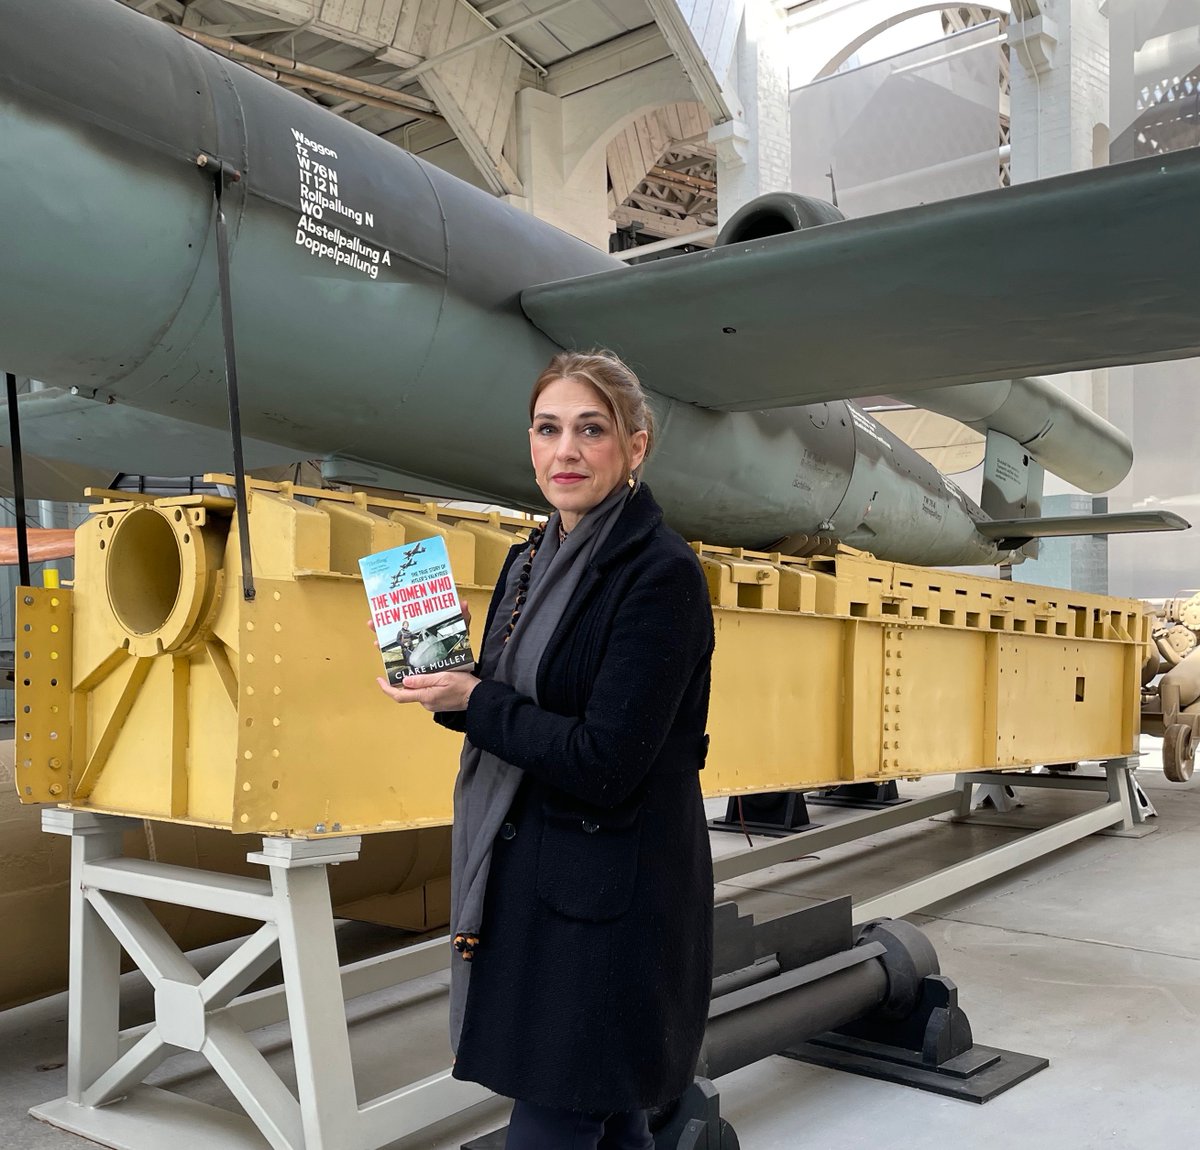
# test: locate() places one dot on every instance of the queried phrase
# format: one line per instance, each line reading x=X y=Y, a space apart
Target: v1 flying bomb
x=390 y=318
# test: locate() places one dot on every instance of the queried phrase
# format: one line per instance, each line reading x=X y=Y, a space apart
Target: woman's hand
x=441 y=691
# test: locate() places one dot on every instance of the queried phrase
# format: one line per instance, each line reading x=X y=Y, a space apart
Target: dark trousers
x=540 y=1128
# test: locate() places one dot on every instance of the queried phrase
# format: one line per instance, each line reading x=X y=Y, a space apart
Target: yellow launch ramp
x=846 y=669
x=155 y=688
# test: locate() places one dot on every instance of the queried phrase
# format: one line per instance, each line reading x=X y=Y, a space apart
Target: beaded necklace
x=535 y=541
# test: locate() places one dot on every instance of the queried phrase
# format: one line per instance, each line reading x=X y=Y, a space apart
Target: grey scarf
x=486 y=785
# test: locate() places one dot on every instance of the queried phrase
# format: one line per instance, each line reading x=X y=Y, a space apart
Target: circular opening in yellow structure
x=143 y=571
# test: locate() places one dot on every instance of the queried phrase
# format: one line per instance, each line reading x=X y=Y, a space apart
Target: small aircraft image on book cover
x=434 y=648
x=410 y=560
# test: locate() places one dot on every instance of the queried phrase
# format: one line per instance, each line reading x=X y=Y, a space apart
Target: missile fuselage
x=376 y=298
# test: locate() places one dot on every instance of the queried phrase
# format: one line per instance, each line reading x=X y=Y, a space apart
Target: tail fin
x=1012 y=480
x=1012 y=486
x=1012 y=499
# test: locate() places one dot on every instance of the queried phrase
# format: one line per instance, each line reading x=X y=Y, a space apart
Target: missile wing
x=1086 y=270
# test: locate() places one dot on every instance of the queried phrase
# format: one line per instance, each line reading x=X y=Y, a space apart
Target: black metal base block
x=766 y=830
x=695 y=1122
x=859 y=796
x=775 y=814
x=976 y=1076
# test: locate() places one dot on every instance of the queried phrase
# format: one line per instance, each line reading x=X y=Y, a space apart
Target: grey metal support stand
x=1000 y=796
x=1124 y=814
x=107 y=1100
x=1119 y=782
x=1124 y=788
x=95 y=958
x=1121 y=815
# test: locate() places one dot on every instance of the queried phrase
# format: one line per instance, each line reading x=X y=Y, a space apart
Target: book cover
x=418 y=619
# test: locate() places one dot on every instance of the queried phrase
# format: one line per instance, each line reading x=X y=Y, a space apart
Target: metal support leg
x=95 y=959
x=312 y=978
x=109 y=1102
x=1003 y=798
x=1143 y=799
x=1123 y=789
x=966 y=794
x=975 y=795
x=1121 y=815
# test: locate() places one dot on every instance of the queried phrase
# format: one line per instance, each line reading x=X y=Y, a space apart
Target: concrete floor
x=1090 y=957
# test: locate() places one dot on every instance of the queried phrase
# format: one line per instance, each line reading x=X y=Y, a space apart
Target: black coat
x=590 y=987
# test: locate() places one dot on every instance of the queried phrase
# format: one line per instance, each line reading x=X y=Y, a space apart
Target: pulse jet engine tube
x=1065 y=437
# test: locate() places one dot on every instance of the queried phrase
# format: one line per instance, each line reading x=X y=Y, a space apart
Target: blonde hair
x=615 y=383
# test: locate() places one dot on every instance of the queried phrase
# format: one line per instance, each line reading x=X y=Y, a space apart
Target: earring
x=631 y=481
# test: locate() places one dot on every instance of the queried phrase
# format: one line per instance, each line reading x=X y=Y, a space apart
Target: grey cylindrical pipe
x=739 y=979
x=763 y=1028
x=1063 y=435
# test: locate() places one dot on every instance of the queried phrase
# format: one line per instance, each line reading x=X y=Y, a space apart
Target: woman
x=582 y=880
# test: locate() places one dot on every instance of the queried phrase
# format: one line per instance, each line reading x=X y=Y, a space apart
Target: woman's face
x=577 y=456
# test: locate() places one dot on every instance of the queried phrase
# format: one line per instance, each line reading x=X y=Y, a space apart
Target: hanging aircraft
x=389 y=318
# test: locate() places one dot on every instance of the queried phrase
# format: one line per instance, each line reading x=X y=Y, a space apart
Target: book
x=418 y=618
